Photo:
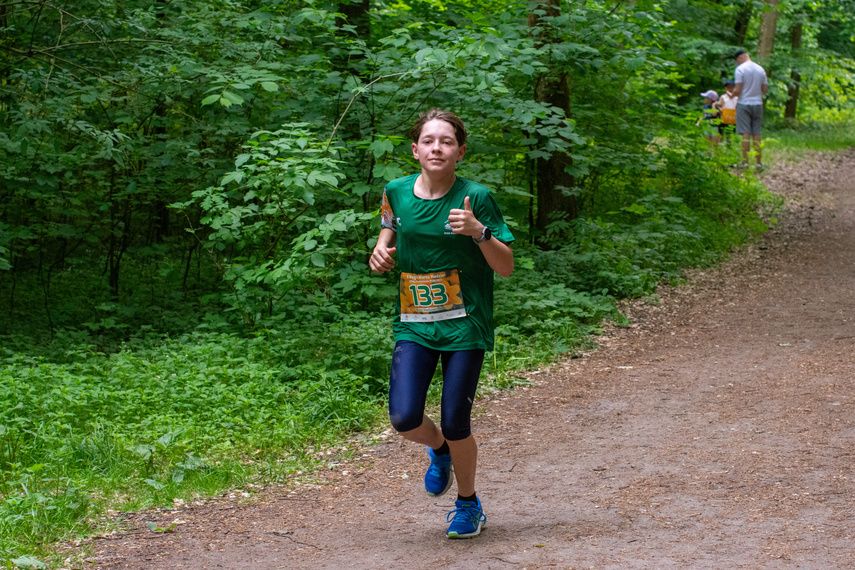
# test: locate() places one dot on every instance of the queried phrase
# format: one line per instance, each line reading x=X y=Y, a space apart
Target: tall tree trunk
x=795 y=76
x=552 y=176
x=768 y=27
x=743 y=19
x=14 y=273
x=160 y=225
x=552 y=88
x=357 y=13
x=160 y=222
x=4 y=69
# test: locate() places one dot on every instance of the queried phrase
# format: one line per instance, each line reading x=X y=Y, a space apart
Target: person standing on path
x=711 y=116
x=449 y=237
x=751 y=85
x=727 y=105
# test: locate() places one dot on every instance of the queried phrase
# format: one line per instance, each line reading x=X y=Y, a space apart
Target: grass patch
x=788 y=142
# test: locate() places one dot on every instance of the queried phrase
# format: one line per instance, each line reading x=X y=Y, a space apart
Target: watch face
x=487 y=234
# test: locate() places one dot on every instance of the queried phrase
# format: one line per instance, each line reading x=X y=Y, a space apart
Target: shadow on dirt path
x=715 y=432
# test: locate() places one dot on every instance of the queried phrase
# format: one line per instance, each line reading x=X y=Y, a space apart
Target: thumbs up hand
x=464 y=222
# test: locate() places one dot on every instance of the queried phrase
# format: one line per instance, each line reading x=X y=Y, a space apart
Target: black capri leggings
x=413 y=366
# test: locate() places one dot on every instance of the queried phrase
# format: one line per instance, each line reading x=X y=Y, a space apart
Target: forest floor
x=716 y=431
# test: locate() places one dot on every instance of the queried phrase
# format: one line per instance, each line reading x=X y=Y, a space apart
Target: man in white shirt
x=751 y=85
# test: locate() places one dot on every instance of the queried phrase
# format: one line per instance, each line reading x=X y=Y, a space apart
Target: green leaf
x=392 y=171
x=233 y=97
x=156 y=485
x=360 y=189
x=317 y=259
x=635 y=63
x=440 y=56
x=144 y=451
x=210 y=99
x=28 y=562
x=236 y=176
x=269 y=86
x=637 y=209
x=154 y=528
x=492 y=50
x=381 y=147
x=422 y=54
x=524 y=263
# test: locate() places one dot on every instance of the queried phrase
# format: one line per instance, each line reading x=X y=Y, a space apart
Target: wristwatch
x=486 y=235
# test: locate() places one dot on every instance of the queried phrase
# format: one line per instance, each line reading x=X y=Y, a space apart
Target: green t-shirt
x=426 y=244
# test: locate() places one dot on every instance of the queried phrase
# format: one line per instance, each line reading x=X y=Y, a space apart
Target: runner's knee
x=406 y=420
x=456 y=432
x=456 y=420
x=409 y=379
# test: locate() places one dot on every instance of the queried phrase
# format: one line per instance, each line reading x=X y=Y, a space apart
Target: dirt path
x=716 y=432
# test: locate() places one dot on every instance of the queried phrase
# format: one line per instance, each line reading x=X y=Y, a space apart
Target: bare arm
x=737 y=90
x=498 y=254
x=381 y=259
x=764 y=88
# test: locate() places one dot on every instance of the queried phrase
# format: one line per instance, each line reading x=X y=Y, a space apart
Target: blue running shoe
x=466 y=520
x=440 y=474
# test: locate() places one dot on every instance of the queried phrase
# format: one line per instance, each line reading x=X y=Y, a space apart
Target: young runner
x=449 y=237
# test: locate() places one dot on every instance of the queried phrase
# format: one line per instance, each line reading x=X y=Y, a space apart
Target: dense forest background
x=189 y=194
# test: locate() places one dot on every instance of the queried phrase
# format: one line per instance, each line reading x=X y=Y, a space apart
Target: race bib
x=430 y=297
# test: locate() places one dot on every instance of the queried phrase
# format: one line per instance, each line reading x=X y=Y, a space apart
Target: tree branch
x=103 y=42
x=352 y=99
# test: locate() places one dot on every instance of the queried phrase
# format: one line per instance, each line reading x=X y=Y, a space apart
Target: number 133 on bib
x=429 y=297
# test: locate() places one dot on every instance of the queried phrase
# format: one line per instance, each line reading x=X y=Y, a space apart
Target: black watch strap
x=486 y=235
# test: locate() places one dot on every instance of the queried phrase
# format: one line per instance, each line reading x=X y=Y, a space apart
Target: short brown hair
x=447 y=116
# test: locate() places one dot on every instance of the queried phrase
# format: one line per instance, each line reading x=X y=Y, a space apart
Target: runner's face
x=437 y=150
